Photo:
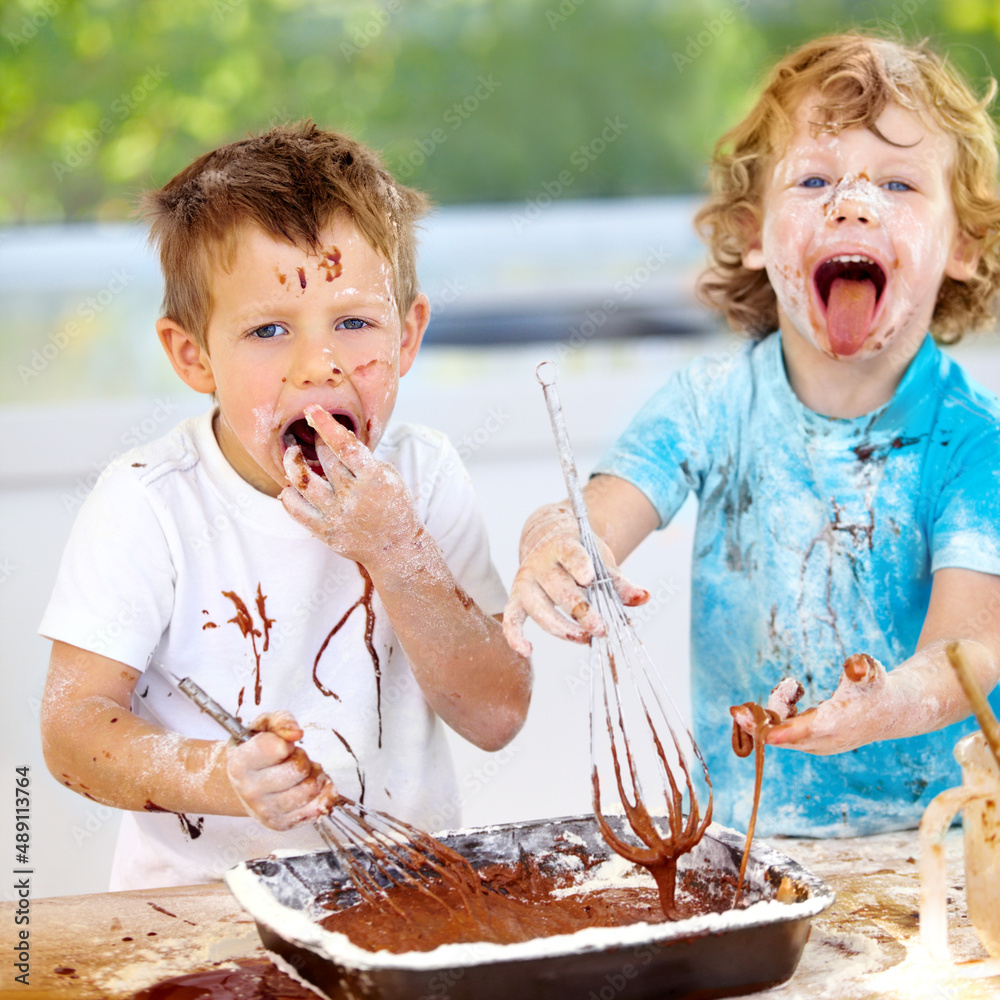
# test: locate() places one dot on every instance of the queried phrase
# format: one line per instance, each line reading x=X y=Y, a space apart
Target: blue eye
x=353 y=324
x=813 y=182
x=897 y=186
x=268 y=331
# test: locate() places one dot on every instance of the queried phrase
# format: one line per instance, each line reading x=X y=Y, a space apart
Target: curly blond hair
x=857 y=76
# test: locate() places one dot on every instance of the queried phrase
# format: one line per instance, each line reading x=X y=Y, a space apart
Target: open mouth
x=850 y=287
x=300 y=433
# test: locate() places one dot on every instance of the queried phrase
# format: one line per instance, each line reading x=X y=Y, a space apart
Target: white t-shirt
x=176 y=565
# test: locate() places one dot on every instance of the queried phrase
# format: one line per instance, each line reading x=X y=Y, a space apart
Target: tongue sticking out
x=849 y=311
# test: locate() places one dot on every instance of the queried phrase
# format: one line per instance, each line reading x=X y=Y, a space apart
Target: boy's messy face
x=289 y=329
x=859 y=232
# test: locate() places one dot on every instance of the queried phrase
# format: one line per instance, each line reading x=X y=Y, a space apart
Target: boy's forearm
x=459 y=656
x=103 y=751
x=920 y=695
x=923 y=693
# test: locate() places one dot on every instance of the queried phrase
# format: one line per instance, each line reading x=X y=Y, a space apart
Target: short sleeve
x=965 y=532
x=662 y=451
x=113 y=592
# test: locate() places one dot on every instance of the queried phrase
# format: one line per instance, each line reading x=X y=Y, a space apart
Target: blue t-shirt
x=817 y=538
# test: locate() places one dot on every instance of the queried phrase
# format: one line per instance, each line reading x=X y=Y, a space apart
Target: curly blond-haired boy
x=847 y=471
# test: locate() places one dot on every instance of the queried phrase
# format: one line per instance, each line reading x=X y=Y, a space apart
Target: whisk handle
x=209 y=706
x=546 y=374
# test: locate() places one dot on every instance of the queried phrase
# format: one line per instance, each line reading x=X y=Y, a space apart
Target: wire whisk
x=376 y=850
x=632 y=735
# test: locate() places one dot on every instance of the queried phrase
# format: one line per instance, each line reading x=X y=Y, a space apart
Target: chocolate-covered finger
x=296 y=468
x=860 y=668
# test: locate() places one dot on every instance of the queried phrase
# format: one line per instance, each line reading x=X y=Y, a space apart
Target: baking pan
x=714 y=955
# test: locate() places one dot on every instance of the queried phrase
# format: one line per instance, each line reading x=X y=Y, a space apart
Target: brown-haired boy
x=285 y=550
x=847 y=472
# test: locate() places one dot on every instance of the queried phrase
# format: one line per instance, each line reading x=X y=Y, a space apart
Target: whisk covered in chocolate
x=375 y=850
x=637 y=733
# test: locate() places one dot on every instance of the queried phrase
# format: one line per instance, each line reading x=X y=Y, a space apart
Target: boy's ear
x=414 y=324
x=964 y=257
x=753 y=244
x=190 y=360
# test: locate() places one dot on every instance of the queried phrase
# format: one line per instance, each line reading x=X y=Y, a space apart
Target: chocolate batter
x=515 y=903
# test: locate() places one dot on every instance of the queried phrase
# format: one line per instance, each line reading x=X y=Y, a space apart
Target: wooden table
x=863 y=947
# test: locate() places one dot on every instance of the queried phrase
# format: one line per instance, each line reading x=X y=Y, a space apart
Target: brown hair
x=288 y=181
x=856 y=76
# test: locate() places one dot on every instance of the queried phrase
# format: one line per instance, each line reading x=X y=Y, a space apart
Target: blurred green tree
x=472 y=100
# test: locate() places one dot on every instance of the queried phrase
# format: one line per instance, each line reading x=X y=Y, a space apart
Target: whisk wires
x=374 y=849
x=630 y=713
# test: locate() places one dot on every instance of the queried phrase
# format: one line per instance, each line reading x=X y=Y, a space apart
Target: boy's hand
x=362 y=508
x=853 y=716
x=277 y=783
x=549 y=586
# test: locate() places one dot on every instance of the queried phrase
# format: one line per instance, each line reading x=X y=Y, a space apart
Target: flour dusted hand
x=550 y=583
x=275 y=780
x=361 y=508
x=854 y=715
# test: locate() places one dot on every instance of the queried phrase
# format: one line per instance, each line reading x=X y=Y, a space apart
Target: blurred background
x=564 y=143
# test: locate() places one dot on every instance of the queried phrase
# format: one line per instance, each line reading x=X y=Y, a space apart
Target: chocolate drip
x=661 y=851
x=243 y=620
x=364 y=601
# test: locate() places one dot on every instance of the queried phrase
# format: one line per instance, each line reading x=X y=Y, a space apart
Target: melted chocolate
x=513 y=903
x=245 y=623
x=659 y=851
x=193 y=830
x=252 y=979
x=331 y=262
x=267 y=622
x=364 y=601
x=357 y=765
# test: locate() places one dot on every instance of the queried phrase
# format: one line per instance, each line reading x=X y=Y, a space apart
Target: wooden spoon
x=980 y=706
